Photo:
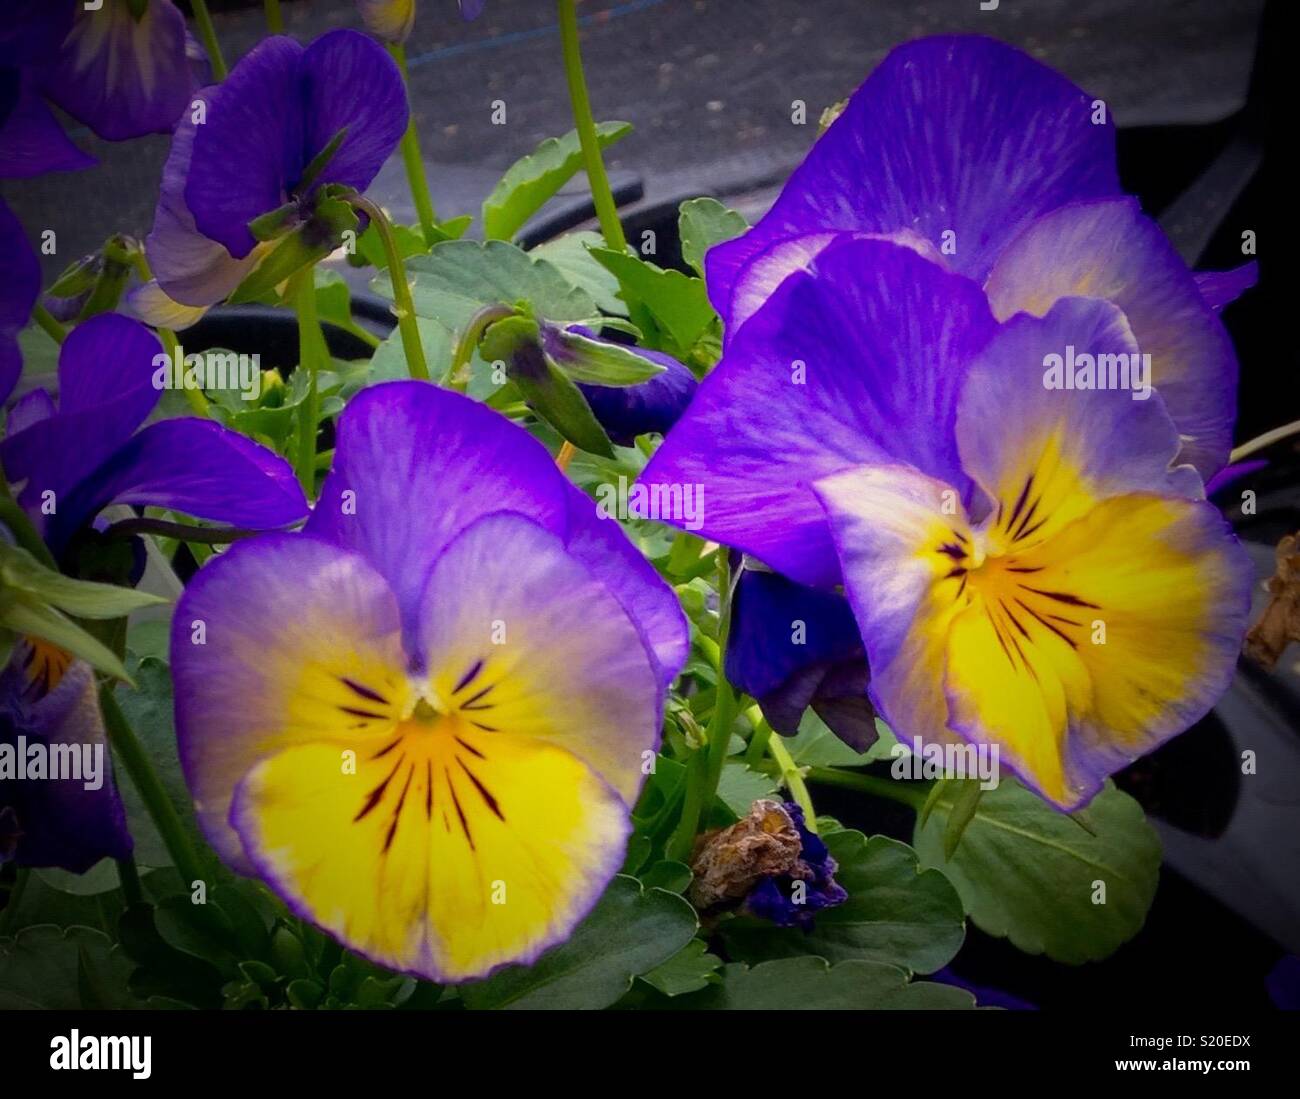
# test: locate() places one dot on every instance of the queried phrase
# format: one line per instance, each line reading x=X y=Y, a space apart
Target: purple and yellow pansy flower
x=287 y=122
x=998 y=168
x=424 y=719
x=1028 y=565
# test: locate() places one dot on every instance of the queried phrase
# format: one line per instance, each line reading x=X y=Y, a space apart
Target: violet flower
x=794 y=898
x=423 y=720
x=285 y=124
x=1027 y=566
x=19 y=290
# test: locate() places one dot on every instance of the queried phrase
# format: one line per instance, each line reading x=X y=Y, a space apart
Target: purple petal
x=61 y=823
x=190 y=268
x=951 y=133
x=106 y=389
x=192 y=466
x=249 y=152
x=28 y=410
x=1221 y=288
x=881 y=338
x=471 y=9
x=31 y=140
x=415 y=464
x=350 y=81
x=121 y=76
x=1108 y=249
x=18 y=291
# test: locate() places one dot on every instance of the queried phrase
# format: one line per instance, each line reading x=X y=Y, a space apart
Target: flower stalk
x=403 y=305
x=414 y=162
x=208 y=33
x=603 y=198
x=312 y=352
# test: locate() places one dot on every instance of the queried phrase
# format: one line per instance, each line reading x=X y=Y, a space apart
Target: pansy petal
x=33 y=30
x=472 y=851
x=281 y=641
x=62 y=822
x=901 y=535
x=32 y=141
x=1115 y=635
x=1222 y=288
x=149 y=303
x=651 y=406
x=249 y=151
x=191 y=269
x=471 y=9
x=192 y=466
x=30 y=409
x=859 y=360
x=600 y=544
x=1017 y=140
x=413 y=465
x=519 y=637
x=121 y=75
x=1044 y=454
x=1109 y=249
x=105 y=392
x=349 y=81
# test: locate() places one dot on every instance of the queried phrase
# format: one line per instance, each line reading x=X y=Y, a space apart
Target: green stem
x=403 y=306
x=1262 y=442
x=209 y=35
x=198 y=400
x=312 y=352
x=45 y=319
x=758 y=742
x=908 y=793
x=414 y=162
x=274 y=20
x=129 y=875
x=703 y=777
x=468 y=340
x=792 y=777
x=135 y=760
x=601 y=195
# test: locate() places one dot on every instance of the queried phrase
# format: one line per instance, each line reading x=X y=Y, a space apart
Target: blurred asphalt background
x=708 y=85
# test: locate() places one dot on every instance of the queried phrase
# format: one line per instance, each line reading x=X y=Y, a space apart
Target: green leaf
x=678 y=303
x=595 y=362
x=20 y=571
x=816 y=746
x=704 y=222
x=533 y=179
x=689 y=970
x=897 y=912
x=389 y=360
x=966 y=799
x=409 y=238
x=100 y=878
x=1029 y=873
x=570 y=254
x=628 y=933
x=64 y=969
x=740 y=787
x=811 y=984
x=45 y=622
x=458 y=278
x=667 y=874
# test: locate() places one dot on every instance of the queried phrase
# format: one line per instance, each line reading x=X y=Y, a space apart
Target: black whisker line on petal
x=468 y=704
x=468 y=677
x=370 y=714
x=363 y=691
x=378 y=791
x=1062 y=597
x=1055 y=629
x=384 y=751
x=469 y=748
x=428 y=790
x=455 y=800
x=483 y=790
x=1020 y=503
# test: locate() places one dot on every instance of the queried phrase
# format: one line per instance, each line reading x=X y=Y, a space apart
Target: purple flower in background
x=46 y=700
x=78 y=457
x=999 y=169
x=122 y=69
x=287 y=122
x=792 y=647
x=794 y=898
x=457 y=618
x=471 y=9
x=18 y=292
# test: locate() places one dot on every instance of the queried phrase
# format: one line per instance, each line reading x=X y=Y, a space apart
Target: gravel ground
x=708 y=85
